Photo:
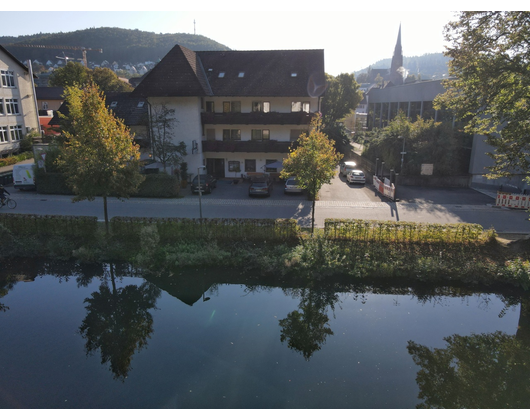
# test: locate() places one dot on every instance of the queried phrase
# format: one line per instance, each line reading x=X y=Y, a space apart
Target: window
x=260 y=135
x=300 y=107
x=250 y=165
x=12 y=106
x=16 y=132
x=226 y=106
x=210 y=134
x=235 y=106
x=1 y=106
x=45 y=106
x=114 y=104
x=234 y=166
x=261 y=107
x=3 y=134
x=294 y=74
x=233 y=134
x=241 y=74
x=8 y=78
x=210 y=106
x=268 y=162
x=140 y=105
x=221 y=74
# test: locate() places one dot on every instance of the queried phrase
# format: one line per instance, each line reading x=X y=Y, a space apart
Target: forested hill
x=121 y=45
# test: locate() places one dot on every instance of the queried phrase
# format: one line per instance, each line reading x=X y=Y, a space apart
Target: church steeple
x=397 y=62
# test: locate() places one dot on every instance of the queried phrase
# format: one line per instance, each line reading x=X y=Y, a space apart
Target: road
x=338 y=200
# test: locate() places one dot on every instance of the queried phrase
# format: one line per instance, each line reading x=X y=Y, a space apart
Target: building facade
x=18 y=109
x=237 y=111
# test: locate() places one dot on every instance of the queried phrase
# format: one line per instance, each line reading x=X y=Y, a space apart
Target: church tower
x=396 y=68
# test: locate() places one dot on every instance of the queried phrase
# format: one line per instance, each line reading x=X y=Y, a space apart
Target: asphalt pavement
x=338 y=200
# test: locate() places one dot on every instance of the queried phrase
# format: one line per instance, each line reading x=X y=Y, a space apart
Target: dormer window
x=114 y=104
x=140 y=104
x=241 y=74
x=294 y=74
x=221 y=74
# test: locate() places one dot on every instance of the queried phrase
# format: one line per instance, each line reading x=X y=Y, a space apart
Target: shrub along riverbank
x=358 y=248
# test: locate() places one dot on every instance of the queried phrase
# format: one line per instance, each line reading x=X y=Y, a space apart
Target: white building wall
x=27 y=117
x=278 y=104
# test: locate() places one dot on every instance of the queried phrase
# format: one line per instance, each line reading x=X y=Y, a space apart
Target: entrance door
x=215 y=167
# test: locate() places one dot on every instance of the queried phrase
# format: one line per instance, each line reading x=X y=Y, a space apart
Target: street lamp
x=382 y=166
x=200 y=188
x=376 y=161
x=403 y=153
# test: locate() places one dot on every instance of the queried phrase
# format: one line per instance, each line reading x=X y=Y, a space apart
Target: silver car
x=292 y=186
x=356 y=176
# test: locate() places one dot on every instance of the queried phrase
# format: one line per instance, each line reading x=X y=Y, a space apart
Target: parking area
x=340 y=190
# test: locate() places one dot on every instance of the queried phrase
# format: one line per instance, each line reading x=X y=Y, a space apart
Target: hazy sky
x=352 y=38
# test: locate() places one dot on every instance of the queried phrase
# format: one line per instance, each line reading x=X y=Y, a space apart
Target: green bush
x=159 y=186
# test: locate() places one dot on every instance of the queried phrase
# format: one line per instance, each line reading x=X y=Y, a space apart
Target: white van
x=24 y=176
x=346 y=167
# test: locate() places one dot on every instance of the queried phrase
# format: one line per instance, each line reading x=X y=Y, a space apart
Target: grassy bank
x=361 y=249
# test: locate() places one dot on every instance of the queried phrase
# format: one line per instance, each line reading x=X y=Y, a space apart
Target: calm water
x=92 y=337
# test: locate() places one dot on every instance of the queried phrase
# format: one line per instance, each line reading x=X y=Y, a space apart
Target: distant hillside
x=120 y=45
x=427 y=65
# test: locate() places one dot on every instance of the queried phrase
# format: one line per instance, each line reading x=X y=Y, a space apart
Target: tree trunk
x=106 y=214
x=313 y=213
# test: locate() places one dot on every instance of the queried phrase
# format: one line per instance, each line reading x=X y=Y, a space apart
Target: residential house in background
x=237 y=111
x=132 y=110
x=18 y=109
x=49 y=99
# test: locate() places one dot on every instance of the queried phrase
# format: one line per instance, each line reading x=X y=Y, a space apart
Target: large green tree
x=490 y=91
x=98 y=157
x=341 y=97
x=312 y=162
x=76 y=74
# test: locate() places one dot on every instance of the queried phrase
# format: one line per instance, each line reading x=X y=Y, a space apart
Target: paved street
x=338 y=200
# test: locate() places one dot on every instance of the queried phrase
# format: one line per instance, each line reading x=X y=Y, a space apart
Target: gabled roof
x=179 y=73
x=13 y=58
x=131 y=109
x=183 y=72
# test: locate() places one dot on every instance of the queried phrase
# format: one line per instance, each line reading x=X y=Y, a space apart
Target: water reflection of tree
x=477 y=371
x=118 y=322
x=306 y=329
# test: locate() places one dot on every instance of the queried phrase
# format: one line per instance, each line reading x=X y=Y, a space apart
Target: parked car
x=356 y=176
x=208 y=183
x=346 y=167
x=292 y=186
x=261 y=185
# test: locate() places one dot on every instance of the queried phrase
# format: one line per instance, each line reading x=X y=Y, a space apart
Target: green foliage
x=342 y=96
x=491 y=84
x=12 y=160
x=162 y=124
x=425 y=141
x=312 y=162
x=70 y=75
x=108 y=81
x=158 y=186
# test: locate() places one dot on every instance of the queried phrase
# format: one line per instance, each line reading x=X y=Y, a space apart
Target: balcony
x=256 y=118
x=250 y=146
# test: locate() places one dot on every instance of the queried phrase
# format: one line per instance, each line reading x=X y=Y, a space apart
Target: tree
x=490 y=90
x=163 y=121
x=98 y=156
x=342 y=96
x=77 y=74
x=71 y=74
x=312 y=162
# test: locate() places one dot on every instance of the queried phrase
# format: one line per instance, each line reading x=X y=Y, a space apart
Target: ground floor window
x=268 y=162
x=234 y=166
x=250 y=165
x=16 y=132
x=3 y=134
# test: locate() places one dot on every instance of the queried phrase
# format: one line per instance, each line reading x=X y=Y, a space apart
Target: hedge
x=411 y=232
x=154 y=185
x=170 y=229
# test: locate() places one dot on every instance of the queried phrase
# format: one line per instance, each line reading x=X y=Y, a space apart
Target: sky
x=352 y=38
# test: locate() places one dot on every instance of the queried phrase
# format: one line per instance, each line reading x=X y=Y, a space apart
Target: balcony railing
x=257 y=118
x=250 y=146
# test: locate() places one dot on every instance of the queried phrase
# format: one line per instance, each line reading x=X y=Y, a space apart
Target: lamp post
x=382 y=166
x=376 y=161
x=200 y=188
x=403 y=153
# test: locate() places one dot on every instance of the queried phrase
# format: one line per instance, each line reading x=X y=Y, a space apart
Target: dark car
x=208 y=183
x=261 y=185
